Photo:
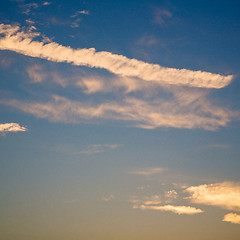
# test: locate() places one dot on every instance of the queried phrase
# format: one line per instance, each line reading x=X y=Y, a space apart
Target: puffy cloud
x=21 y=42
x=176 y=209
x=232 y=217
x=225 y=195
x=11 y=127
x=148 y=171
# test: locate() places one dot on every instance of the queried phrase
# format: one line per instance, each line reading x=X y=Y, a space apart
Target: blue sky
x=119 y=119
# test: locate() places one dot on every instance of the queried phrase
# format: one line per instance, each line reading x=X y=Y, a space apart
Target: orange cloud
x=225 y=195
x=232 y=217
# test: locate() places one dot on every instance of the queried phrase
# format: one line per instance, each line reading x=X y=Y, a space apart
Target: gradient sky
x=120 y=120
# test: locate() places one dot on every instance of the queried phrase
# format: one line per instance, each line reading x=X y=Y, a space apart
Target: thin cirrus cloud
x=143 y=114
x=21 y=42
x=148 y=200
x=86 y=150
x=98 y=148
x=148 y=171
x=175 y=209
x=108 y=198
x=161 y=15
x=11 y=127
x=225 y=195
x=232 y=218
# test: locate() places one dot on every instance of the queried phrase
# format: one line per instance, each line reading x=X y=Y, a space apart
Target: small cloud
x=85 y=12
x=232 y=217
x=225 y=195
x=170 y=195
x=28 y=7
x=148 y=200
x=46 y=3
x=176 y=209
x=108 y=198
x=11 y=127
x=98 y=148
x=36 y=74
x=148 y=40
x=6 y=62
x=160 y=16
x=148 y=171
x=75 y=24
x=29 y=21
x=87 y=150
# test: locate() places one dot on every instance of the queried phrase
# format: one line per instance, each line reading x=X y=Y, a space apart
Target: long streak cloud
x=14 y=39
x=176 y=209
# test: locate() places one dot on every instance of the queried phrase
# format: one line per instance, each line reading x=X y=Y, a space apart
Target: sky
x=120 y=120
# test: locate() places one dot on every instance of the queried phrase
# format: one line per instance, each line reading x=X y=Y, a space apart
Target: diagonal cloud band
x=21 y=42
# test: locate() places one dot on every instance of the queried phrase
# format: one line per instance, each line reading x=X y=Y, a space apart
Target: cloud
x=98 y=148
x=148 y=40
x=148 y=200
x=147 y=94
x=147 y=114
x=160 y=16
x=176 y=209
x=148 y=171
x=36 y=74
x=85 y=12
x=225 y=195
x=220 y=146
x=171 y=195
x=28 y=7
x=232 y=217
x=15 y=40
x=87 y=150
x=11 y=127
x=108 y=198
x=46 y=3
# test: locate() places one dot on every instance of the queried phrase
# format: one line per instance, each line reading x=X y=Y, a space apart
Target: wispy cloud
x=87 y=150
x=18 y=41
x=220 y=146
x=176 y=209
x=232 y=217
x=161 y=15
x=36 y=74
x=147 y=200
x=11 y=127
x=147 y=40
x=225 y=195
x=98 y=148
x=108 y=198
x=144 y=114
x=147 y=171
